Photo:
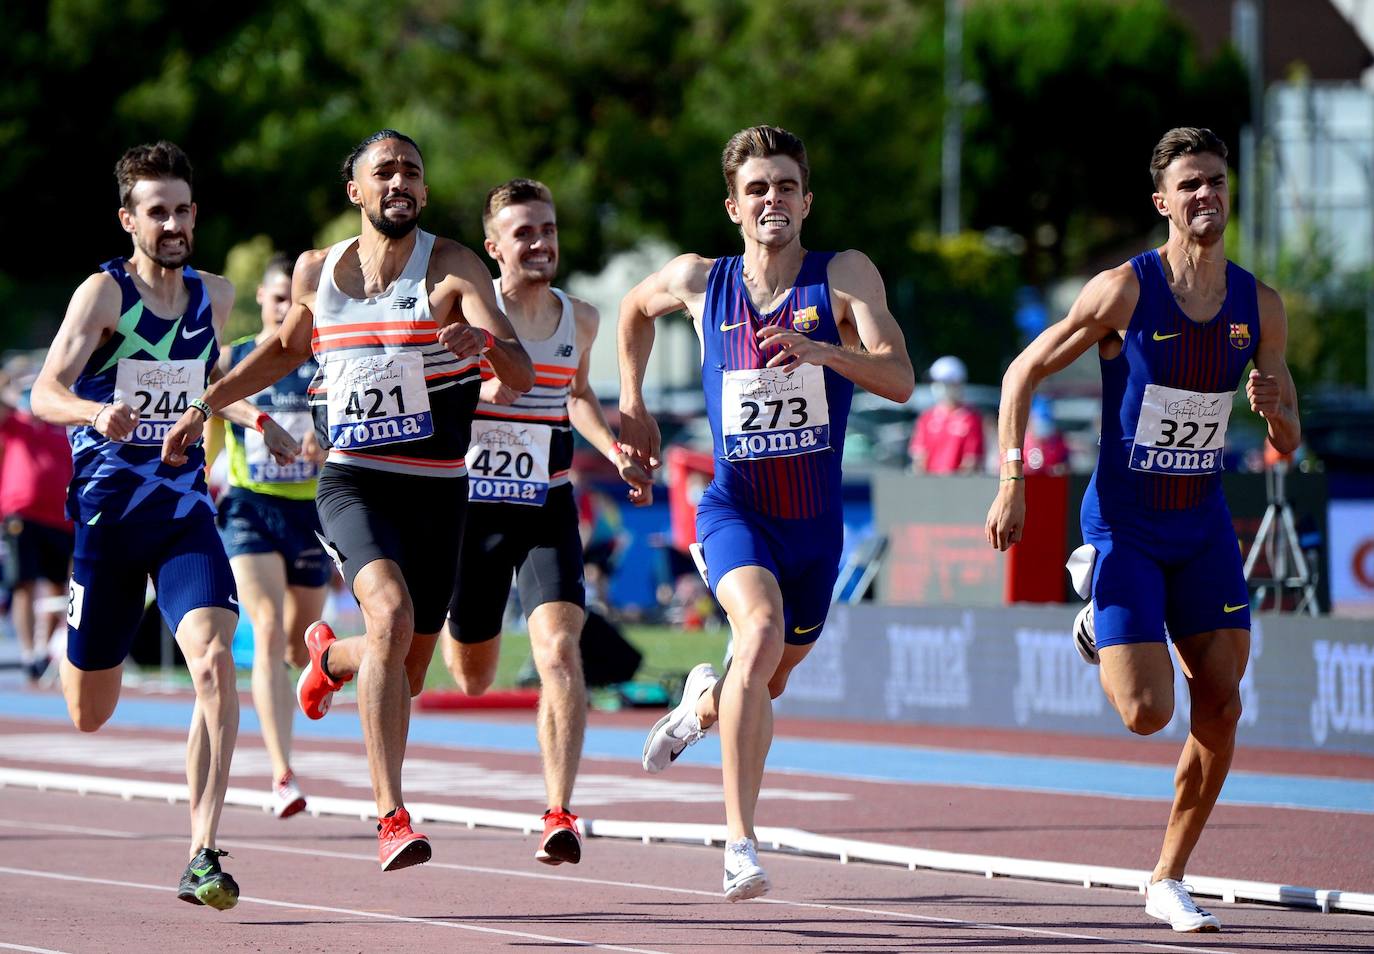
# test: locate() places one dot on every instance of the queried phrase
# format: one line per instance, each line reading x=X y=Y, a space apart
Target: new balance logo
x=402 y=304
x=564 y=351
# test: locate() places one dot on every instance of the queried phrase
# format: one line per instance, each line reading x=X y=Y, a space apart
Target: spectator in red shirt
x=1046 y=451
x=35 y=469
x=948 y=438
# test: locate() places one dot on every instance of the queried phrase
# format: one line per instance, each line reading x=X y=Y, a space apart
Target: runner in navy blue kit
x=1174 y=328
x=117 y=374
x=522 y=519
x=786 y=334
x=271 y=532
x=397 y=319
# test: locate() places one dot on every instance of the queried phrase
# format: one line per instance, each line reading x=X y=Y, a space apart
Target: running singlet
x=157 y=366
x=1166 y=398
x=777 y=437
x=387 y=395
x=520 y=450
x=251 y=466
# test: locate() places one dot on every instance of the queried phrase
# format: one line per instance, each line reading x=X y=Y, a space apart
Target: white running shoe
x=287 y=797
x=744 y=879
x=1170 y=901
x=680 y=727
x=1084 y=637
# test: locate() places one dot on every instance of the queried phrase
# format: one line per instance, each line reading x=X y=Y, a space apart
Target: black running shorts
x=415 y=522
x=540 y=545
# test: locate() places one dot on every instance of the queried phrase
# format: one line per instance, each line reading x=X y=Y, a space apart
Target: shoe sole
x=300 y=687
x=412 y=853
x=649 y=741
x=294 y=808
x=221 y=894
x=1213 y=928
x=1083 y=642
x=561 y=846
x=754 y=886
x=189 y=896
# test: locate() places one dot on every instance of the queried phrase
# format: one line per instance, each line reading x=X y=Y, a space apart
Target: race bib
x=380 y=399
x=160 y=391
x=262 y=468
x=1180 y=432
x=766 y=412
x=509 y=462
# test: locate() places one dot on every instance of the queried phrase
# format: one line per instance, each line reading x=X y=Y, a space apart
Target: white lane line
x=25 y=947
x=351 y=912
x=666 y=889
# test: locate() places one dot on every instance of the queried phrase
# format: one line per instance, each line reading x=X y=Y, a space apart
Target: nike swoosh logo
x=200 y=872
x=1160 y=337
x=738 y=324
x=234 y=601
x=1228 y=608
x=195 y=334
x=802 y=632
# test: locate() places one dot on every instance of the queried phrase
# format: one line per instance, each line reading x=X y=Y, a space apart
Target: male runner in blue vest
x=786 y=334
x=1174 y=328
x=136 y=347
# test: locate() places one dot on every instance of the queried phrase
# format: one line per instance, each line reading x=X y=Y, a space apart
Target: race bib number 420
x=380 y=399
x=509 y=462
x=160 y=391
x=1180 y=432
x=766 y=412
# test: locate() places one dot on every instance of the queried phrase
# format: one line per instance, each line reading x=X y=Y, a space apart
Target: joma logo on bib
x=1180 y=432
x=388 y=430
x=1176 y=462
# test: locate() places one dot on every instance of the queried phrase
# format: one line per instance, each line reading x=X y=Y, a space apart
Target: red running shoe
x=561 y=841
x=314 y=690
x=398 y=846
x=287 y=798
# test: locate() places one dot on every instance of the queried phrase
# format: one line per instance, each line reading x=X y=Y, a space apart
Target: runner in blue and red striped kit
x=786 y=334
x=1175 y=329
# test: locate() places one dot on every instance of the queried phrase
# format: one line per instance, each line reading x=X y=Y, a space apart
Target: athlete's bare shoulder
x=221 y=292
x=852 y=272
x=1109 y=297
x=685 y=276
x=97 y=300
x=454 y=258
x=305 y=277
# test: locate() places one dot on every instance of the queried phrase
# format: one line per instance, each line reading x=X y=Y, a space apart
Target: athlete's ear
x=354 y=194
x=424 y=197
x=806 y=205
x=126 y=220
x=193 y=215
x=493 y=250
x=1161 y=203
x=732 y=209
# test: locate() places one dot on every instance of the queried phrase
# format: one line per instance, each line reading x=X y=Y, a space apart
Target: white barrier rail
x=1227 y=890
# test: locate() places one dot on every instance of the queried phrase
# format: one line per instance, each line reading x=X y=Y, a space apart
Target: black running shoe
x=204 y=883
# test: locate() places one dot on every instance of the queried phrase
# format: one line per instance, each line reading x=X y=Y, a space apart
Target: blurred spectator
x=603 y=540
x=948 y=438
x=1046 y=450
x=35 y=469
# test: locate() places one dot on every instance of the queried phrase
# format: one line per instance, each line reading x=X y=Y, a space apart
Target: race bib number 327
x=1180 y=432
x=380 y=399
x=766 y=412
x=160 y=391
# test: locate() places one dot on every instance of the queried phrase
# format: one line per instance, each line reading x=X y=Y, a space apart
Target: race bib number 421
x=380 y=399
x=1181 y=432
x=766 y=412
x=160 y=391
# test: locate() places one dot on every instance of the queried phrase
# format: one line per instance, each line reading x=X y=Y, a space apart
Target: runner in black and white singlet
x=136 y=347
x=396 y=319
x=1174 y=329
x=522 y=518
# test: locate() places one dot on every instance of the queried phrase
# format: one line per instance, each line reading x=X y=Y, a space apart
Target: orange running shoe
x=561 y=841
x=287 y=798
x=397 y=846
x=314 y=690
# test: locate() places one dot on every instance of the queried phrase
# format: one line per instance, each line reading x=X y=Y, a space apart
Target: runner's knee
x=758 y=648
x=1147 y=713
x=1214 y=724
x=559 y=659
x=212 y=671
x=88 y=717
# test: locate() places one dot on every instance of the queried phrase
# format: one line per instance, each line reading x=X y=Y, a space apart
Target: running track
x=71 y=881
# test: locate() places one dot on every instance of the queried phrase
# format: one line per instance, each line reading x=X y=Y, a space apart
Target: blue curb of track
x=830 y=758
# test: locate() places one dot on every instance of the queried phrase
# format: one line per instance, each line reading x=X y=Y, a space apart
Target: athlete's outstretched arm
x=882 y=365
x=678 y=286
x=1270 y=385
x=1103 y=308
x=585 y=414
x=467 y=281
x=92 y=316
x=268 y=363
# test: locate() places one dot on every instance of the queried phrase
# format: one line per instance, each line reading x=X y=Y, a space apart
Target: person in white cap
x=948 y=437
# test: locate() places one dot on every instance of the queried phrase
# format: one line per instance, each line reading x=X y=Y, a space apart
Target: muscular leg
x=1139 y=681
x=379 y=658
x=261 y=579
x=304 y=605
x=555 y=641
x=91 y=694
x=205 y=636
x=1213 y=663
x=472 y=665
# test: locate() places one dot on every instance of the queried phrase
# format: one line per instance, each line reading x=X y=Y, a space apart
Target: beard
x=170 y=260
x=391 y=228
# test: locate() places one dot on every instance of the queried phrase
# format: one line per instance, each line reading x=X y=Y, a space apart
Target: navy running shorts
x=259 y=523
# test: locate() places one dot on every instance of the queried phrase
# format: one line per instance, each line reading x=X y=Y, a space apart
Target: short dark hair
x=279 y=263
x=156 y=160
x=351 y=160
x=1183 y=141
x=514 y=192
x=760 y=142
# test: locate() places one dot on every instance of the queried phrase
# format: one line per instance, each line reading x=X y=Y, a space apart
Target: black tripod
x=1277 y=539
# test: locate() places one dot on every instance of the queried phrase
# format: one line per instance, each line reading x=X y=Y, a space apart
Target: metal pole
x=1247 y=32
x=952 y=143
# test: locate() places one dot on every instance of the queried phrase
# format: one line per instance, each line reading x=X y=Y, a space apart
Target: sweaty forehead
x=521 y=214
x=768 y=169
x=167 y=193
x=1199 y=164
x=391 y=151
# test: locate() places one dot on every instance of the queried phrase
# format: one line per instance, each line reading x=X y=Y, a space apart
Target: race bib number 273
x=766 y=412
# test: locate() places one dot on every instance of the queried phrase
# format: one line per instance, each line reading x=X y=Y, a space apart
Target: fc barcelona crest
x=1240 y=335
x=806 y=320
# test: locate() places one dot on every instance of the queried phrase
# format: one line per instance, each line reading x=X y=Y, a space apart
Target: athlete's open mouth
x=773 y=218
x=398 y=202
